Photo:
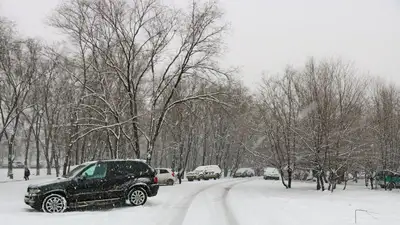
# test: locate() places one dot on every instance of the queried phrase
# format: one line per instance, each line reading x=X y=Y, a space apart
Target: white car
x=204 y=173
x=271 y=173
x=244 y=172
x=166 y=176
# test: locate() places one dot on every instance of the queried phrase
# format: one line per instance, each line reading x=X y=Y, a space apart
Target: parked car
x=211 y=172
x=166 y=176
x=244 y=172
x=388 y=179
x=204 y=173
x=271 y=173
x=18 y=164
x=96 y=183
x=193 y=175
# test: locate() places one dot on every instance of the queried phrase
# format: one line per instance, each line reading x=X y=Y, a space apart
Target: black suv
x=96 y=183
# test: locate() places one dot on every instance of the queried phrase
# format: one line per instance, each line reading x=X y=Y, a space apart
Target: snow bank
x=19 y=175
x=222 y=202
x=267 y=202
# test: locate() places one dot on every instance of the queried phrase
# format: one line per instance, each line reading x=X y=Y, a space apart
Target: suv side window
x=117 y=169
x=95 y=171
x=137 y=168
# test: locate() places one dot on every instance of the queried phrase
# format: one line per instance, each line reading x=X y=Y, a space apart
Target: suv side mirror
x=81 y=178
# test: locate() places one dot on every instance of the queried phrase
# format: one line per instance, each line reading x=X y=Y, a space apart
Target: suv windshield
x=75 y=171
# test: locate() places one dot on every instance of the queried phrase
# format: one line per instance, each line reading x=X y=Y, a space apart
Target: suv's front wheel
x=54 y=203
x=137 y=196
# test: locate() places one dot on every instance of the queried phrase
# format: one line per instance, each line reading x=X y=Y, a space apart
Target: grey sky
x=269 y=34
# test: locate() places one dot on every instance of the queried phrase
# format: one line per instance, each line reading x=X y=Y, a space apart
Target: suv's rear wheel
x=137 y=196
x=54 y=203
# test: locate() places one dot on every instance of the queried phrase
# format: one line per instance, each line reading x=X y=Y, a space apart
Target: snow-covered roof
x=270 y=169
x=118 y=160
x=89 y=162
x=112 y=160
x=213 y=167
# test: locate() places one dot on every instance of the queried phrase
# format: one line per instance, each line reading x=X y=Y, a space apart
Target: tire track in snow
x=230 y=217
x=180 y=217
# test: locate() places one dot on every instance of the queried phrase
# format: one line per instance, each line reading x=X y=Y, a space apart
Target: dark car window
x=138 y=168
x=96 y=171
x=163 y=171
x=117 y=169
x=75 y=171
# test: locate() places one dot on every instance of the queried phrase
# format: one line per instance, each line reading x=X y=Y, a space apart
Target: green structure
x=389 y=179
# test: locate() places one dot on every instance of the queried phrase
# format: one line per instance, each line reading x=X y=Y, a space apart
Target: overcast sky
x=269 y=34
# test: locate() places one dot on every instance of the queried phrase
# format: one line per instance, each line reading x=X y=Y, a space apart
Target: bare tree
x=133 y=42
x=18 y=65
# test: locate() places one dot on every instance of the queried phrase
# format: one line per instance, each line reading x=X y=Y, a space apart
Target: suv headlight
x=34 y=191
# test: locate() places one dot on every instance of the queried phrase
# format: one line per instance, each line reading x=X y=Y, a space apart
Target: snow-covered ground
x=19 y=175
x=244 y=201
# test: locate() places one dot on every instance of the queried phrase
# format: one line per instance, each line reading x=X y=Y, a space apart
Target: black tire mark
x=180 y=217
x=230 y=217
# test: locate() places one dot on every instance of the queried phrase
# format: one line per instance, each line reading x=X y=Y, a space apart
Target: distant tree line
x=140 y=79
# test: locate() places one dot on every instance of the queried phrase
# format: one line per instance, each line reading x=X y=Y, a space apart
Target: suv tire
x=54 y=203
x=137 y=196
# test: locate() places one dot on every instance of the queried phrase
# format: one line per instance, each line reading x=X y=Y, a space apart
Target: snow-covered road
x=223 y=202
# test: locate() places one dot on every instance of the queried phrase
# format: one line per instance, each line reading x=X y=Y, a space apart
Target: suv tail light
x=173 y=174
x=155 y=180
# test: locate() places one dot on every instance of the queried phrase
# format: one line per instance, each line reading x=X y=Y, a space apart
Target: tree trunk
x=67 y=160
x=37 y=142
x=134 y=112
x=77 y=148
x=290 y=173
x=10 y=158
x=48 y=156
x=371 y=180
x=282 y=178
x=82 y=158
x=37 y=156
x=345 y=185
x=28 y=142
x=181 y=147
x=204 y=148
x=73 y=130
x=321 y=177
x=11 y=147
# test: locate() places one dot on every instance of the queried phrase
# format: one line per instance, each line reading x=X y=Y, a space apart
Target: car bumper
x=154 y=190
x=271 y=178
x=239 y=175
x=33 y=201
x=211 y=176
